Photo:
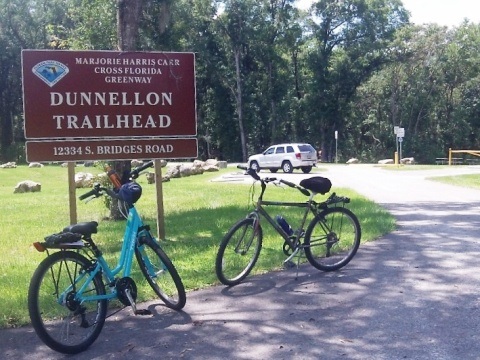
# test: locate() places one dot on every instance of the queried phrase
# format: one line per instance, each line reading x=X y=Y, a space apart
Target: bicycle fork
x=243 y=246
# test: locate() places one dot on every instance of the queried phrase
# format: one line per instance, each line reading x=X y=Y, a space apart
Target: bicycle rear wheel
x=238 y=252
x=160 y=273
x=332 y=239
x=62 y=322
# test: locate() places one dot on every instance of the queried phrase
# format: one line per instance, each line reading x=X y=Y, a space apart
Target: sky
x=443 y=12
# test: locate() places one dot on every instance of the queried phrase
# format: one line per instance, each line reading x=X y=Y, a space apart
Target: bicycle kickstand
x=289 y=263
x=134 y=305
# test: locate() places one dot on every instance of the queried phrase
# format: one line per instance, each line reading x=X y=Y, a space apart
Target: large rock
x=83 y=180
x=353 y=161
x=136 y=163
x=27 y=186
x=150 y=177
x=9 y=165
x=408 y=161
x=188 y=169
x=35 y=165
x=184 y=170
x=386 y=162
x=215 y=163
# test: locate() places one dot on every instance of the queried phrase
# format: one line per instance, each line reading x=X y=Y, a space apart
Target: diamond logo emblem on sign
x=50 y=71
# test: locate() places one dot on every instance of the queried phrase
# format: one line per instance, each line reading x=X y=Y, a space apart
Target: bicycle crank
x=127 y=294
x=126 y=291
x=287 y=249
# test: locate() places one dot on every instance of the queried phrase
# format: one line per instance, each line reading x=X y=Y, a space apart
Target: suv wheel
x=287 y=167
x=306 y=169
x=254 y=166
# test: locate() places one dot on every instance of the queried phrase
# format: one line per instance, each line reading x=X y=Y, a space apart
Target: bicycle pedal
x=289 y=264
x=143 y=312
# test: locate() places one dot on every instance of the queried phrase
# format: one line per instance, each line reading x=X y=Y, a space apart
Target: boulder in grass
x=35 y=165
x=150 y=177
x=27 y=186
x=9 y=165
x=214 y=165
x=83 y=180
x=136 y=163
x=408 y=161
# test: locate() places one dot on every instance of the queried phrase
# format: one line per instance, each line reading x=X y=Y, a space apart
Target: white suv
x=286 y=157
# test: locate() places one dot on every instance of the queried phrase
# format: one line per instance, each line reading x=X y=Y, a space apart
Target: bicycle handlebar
x=95 y=192
x=266 y=180
x=135 y=172
x=98 y=190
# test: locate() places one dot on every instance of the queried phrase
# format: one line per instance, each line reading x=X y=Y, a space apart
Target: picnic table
x=444 y=161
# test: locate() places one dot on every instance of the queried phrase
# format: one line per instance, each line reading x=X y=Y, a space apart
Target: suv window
x=280 y=150
x=269 y=151
x=306 y=148
x=290 y=149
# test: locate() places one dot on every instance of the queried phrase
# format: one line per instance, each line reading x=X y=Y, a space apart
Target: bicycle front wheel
x=238 y=252
x=332 y=239
x=160 y=273
x=61 y=320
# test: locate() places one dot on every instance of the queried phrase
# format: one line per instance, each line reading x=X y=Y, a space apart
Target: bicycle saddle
x=84 y=228
x=317 y=184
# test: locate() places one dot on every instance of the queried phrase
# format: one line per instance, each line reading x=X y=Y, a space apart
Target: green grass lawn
x=468 y=180
x=198 y=212
x=415 y=167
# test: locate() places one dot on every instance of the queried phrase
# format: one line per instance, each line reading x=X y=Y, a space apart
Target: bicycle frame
x=292 y=240
x=133 y=229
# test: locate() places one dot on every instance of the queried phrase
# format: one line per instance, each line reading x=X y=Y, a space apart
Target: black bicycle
x=329 y=242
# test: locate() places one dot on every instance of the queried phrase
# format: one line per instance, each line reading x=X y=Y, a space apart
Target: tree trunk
x=273 y=104
x=128 y=20
x=240 y=105
x=6 y=131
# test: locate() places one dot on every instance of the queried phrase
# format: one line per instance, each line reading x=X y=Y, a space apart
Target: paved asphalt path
x=413 y=294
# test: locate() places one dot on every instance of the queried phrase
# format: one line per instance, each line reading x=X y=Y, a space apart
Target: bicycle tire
x=233 y=263
x=62 y=323
x=160 y=273
x=332 y=239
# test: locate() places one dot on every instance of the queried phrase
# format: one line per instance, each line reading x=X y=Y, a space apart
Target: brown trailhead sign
x=111 y=95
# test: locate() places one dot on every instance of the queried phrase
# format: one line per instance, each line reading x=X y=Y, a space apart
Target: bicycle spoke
x=63 y=322
x=332 y=239
x=161 y=274
x=238 y=252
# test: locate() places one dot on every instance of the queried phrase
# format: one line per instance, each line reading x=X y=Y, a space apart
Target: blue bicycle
x=70 y=290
